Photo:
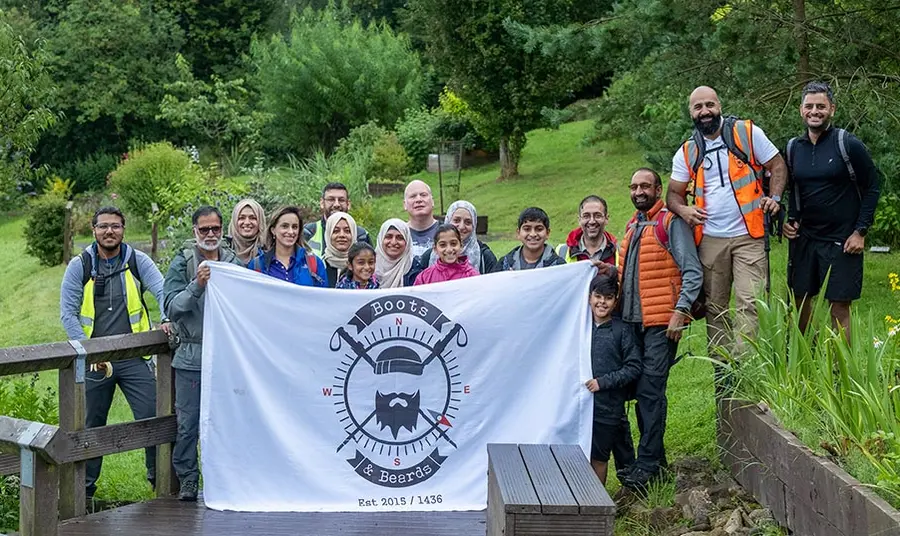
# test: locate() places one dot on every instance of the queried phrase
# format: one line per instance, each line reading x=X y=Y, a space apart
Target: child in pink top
x=450 y=265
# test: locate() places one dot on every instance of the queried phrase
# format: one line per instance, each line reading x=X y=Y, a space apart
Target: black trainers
x=188 y=491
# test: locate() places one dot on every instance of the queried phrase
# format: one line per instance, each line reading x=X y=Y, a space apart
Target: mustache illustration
x=397 y=411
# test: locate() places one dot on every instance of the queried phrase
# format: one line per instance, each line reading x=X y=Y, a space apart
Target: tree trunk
x=801 y=40
x=510 y=150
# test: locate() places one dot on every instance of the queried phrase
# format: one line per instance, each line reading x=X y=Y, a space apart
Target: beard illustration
x=396 y=411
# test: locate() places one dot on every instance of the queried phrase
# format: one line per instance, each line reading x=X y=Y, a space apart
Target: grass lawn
x=557 y=171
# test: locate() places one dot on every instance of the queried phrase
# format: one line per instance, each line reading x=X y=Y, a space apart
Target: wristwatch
x=862 y=231
x=776 y=198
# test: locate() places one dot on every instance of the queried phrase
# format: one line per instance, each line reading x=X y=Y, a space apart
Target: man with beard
x=419 y=204
x=726 y=160
x=590 y=240
x=101 y=295
x=661 y=277
x=335 y=198
x=184 y=296
x=834 y=193
x=398 y=410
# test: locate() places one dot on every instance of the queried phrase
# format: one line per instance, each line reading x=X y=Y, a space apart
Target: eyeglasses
x=217 y=229
x=108 y=226
x=595 y=216
x=332 y=200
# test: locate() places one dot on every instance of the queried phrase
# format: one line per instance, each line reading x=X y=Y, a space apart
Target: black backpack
x=698 y=141
x=88 y=270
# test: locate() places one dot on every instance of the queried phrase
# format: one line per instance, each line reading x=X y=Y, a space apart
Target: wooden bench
x=545 y=490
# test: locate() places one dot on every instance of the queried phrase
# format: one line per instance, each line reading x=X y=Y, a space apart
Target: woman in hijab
x=340 y=234
x=463 y=216
x=393 y=255
x=245 y=234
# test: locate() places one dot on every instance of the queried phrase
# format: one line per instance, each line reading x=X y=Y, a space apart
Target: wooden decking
x=169 y=517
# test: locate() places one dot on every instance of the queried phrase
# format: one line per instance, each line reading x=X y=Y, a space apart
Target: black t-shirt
x=111 y=307
x=832 y=205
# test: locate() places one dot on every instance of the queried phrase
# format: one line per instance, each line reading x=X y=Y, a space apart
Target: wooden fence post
x=166 y=480
x=71 y=418
x=38 y=496
x=154 y=231
x=67 y=233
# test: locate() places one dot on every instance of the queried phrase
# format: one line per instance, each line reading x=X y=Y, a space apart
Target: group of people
x=673 y=257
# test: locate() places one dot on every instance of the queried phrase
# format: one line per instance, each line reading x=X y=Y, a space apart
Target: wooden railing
x=51 y=458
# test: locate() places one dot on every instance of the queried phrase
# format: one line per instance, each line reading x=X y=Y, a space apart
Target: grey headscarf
x=471 y=247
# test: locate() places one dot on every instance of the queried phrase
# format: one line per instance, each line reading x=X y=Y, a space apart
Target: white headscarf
x=246 y=248
x=333 y=257
x=470 y=246
x=390 y=272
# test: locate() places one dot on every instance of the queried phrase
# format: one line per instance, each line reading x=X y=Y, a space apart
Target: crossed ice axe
x=436 y=351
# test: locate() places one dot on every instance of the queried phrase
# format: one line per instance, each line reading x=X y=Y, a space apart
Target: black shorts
x=603 y=439
x=810 y=261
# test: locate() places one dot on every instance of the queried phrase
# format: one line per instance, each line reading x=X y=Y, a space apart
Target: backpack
x=87 y=269
x=699 y=141
x=698 y=308
x=845 y=155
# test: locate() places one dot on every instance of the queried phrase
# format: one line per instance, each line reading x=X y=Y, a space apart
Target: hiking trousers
x=187 y=413
x=650 y=392
x=137 y=379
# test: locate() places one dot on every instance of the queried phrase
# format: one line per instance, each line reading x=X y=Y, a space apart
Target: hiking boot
x=188 y=491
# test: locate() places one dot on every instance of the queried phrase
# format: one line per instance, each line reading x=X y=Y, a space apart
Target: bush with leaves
x=44 y=229
x=21 y=398
x=386 y=159
x=157 y=173
x=331 y=74
x=91 y=172
x=417 y=132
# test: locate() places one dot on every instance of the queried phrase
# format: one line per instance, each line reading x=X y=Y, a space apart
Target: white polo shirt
x=724 y=219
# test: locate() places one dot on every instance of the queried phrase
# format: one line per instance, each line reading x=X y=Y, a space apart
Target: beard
x=396 y=411
x=644 y=204
x=708 y=129
x=206 y=244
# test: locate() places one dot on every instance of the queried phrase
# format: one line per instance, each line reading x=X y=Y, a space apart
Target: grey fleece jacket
x=72 y=291
x=184 y=307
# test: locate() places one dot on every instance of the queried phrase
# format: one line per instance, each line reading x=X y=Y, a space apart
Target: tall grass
x=840 y=396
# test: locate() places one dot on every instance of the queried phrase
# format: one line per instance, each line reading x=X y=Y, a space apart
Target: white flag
x=384 y=400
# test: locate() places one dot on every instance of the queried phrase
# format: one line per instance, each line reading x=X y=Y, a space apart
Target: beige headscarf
x=390 y=272
x=245 y=248
x=332 y=256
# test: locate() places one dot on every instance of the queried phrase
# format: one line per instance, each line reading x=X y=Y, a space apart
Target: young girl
x=360 y=273
x=450 y=264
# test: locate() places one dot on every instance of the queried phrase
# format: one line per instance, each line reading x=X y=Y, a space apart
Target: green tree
x=503 y=79
x=220 y=112
x=25 y=91
x=219 y=31
x=112 y=60
x=329 y=76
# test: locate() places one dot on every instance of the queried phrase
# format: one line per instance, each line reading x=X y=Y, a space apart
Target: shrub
x=44 y=229
x=330 y=75
x=417 y=132
x=22 y=399
x=158 y=173
x=886 y=229
x=61 y=187
x=389 y=160
x=90 y=173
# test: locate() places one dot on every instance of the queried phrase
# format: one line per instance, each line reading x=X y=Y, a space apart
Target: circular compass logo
x=397 y=389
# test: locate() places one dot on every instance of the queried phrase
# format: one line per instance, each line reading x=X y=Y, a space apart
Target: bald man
x=419 y=204
x=724 y=163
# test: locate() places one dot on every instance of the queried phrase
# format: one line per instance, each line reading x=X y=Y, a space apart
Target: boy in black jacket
x=615 y=363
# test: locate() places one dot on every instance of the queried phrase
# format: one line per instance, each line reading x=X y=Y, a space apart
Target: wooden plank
x=57 y=355
x=39 y=503
x=549 y=483
x=589 y=493
x=499 y=523
x=105 y=440
x=67 y=233
x=169 y=517
x=166 y=479
x=513 y=481
x=9 y=464
x=564 y=525
x=71 y=418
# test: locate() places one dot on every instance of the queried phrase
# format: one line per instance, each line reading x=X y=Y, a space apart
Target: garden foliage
x=44 y=228
x=331 y=74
